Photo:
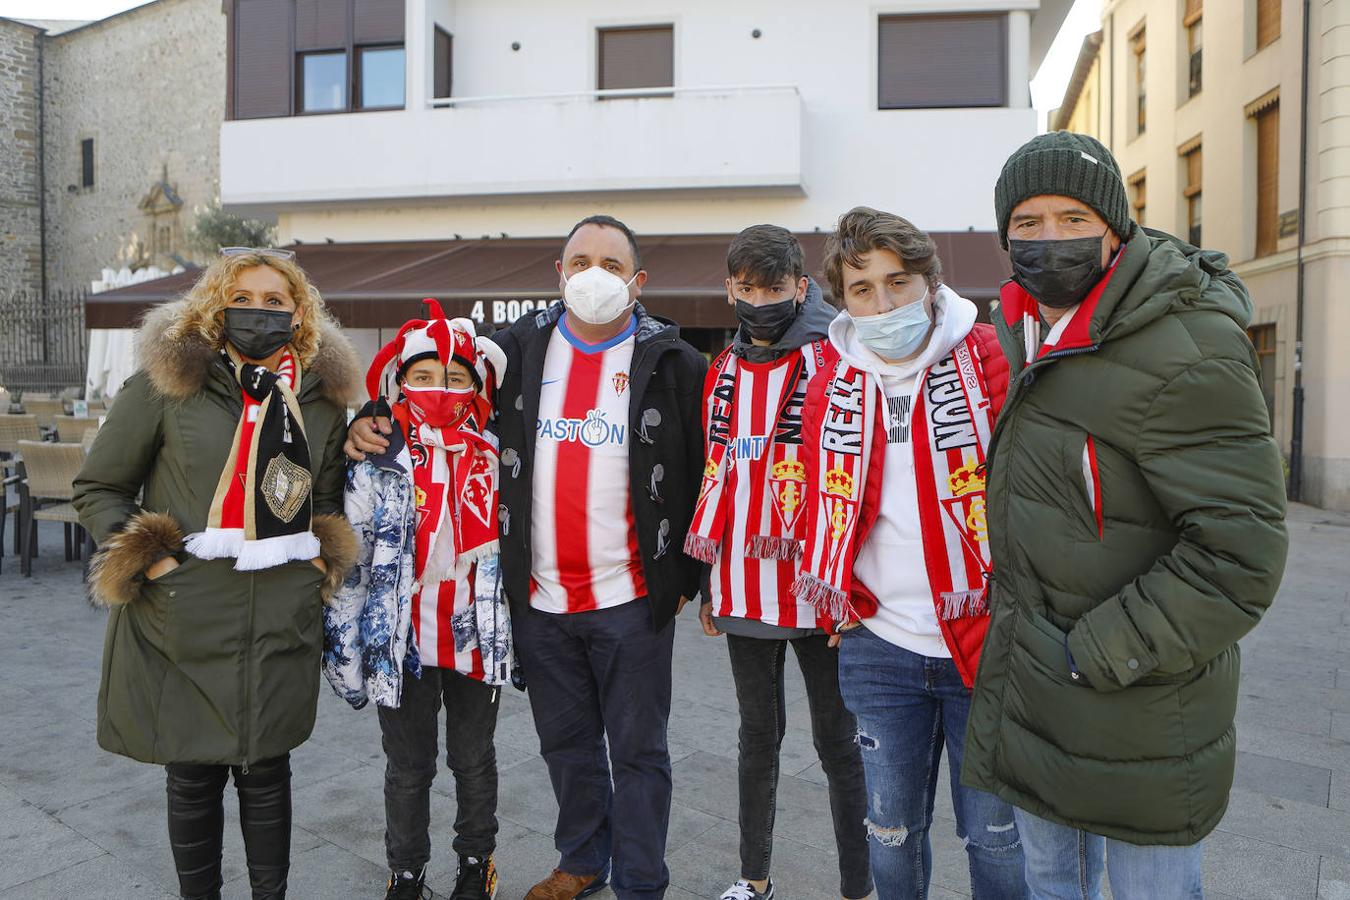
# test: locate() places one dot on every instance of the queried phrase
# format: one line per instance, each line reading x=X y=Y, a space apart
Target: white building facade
x=775 y=116
x=442 y=148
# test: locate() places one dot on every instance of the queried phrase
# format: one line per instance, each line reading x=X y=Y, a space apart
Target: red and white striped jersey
x=585 y=549
x=433 y=609
x=774 y=506
x=435 y=606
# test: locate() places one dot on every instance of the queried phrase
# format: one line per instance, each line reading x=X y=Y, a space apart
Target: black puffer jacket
x=665 y=455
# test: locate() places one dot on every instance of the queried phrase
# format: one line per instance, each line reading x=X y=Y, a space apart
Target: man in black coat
x=598 y=420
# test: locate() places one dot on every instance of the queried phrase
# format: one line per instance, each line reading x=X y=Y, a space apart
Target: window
x=1194 y=25
x=1263 y=340
x=1191 y=158
x=1267 y=22
x=291 y=57
x=442 y=62
x=641 y=57
x=380 y=74
x=1137 y=195
x=87 y=163
x=1267 y=176
x=1140 y=83
x=323 y=82
x=927 y=61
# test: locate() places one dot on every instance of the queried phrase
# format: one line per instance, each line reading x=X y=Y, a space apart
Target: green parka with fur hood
x=205 y=664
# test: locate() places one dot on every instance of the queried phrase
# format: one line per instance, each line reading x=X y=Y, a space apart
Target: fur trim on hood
x=177 y=366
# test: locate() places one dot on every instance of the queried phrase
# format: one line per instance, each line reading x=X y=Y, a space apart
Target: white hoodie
x=890 y=562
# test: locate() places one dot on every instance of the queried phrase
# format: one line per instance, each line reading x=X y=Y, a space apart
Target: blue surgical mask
x=895 y=334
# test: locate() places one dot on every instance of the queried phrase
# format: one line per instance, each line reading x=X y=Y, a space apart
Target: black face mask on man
x=258 y=333
x=768 y=322
x=1058 y=274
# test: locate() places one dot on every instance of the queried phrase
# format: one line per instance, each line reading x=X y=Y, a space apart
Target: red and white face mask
x=441 y=407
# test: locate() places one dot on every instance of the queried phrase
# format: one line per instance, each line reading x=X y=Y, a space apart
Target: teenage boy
x=896 y=433
x=748 y=526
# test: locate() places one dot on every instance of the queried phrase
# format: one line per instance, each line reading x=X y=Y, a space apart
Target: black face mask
x=769 y=322
x=1059 y=274
x=258 y=333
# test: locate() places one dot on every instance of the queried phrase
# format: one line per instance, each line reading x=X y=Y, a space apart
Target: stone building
x=20 y=174
x=130 y=125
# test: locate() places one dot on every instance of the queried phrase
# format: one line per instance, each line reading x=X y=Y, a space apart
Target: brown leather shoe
x=565 y=886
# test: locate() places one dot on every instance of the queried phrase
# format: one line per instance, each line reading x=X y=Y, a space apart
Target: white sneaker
x=744 y=890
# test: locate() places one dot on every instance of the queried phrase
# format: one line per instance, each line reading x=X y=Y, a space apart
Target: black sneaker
x=407 y=885
x=476 y=879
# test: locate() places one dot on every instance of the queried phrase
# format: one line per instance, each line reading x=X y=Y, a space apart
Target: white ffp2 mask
x=597 y=296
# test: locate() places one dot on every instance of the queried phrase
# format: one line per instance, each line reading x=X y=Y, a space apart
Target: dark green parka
x=1136 y=511
x=205 y=664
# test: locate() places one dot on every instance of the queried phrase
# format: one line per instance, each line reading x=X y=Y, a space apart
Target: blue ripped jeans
x=908 y=706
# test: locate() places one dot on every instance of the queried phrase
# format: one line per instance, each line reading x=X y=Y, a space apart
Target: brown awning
x=381 y=284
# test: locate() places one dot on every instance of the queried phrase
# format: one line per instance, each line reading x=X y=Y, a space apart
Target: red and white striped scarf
x=949 y=453
x=724 y=442
x=455 y=483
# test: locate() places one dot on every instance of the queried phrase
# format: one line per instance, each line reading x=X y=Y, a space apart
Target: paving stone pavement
x=78 y=822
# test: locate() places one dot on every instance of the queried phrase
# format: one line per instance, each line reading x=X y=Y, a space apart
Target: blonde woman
x=214 y=490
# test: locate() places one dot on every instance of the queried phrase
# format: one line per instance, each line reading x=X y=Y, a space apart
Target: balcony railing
x=508 y=145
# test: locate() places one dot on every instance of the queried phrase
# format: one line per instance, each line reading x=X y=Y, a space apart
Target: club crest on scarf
x=788 y=481
x=479 y=490
x=285 y=487
x=966 y=504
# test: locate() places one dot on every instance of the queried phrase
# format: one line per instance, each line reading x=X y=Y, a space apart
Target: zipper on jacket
x=1026 y=377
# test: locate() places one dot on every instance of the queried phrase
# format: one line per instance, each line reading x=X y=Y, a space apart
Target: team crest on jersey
x=620 y=382
x=788 y=482
x=477 y=497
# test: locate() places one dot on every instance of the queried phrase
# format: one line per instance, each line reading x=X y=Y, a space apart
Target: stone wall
x=20 y=241
x=149 y=87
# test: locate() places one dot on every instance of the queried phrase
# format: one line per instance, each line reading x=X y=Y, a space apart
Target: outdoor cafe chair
x=45 y=409
x=72 y=429
x=12 y=430
x=49 y=471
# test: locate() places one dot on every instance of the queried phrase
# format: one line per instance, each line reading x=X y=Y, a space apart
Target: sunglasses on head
x=261 y=251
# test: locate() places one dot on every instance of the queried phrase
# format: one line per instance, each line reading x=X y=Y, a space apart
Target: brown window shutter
x=1139 y=185
x=320 y=25
x=377 y=22
x=942 y=61
x=443 y=62
x=637 y=57
x=262 y=58
x=1193 y=171
x=1267 y=22
x=1267 y=179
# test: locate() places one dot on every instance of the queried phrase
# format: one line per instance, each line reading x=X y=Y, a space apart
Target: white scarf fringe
x=274 y=551
x=216 y=543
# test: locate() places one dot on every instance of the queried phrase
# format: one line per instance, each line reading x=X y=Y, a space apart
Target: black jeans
x=757 y=668
x=197 y=825
x=409 y=737
x=604 y=674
